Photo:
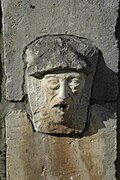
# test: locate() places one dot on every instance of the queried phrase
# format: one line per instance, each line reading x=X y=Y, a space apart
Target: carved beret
x=53 y=52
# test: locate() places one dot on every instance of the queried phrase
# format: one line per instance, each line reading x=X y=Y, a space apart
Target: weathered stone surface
x=103 y=125
x=32 y=155
x=24 y=21
x=2 y=151
x=60 y=72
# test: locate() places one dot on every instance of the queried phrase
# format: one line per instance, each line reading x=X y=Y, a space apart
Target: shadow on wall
x=102 y=106
x=1 y=75
x=117 y=35
x=104 y=96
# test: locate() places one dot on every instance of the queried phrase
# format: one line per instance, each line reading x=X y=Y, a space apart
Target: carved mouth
x=61 y=107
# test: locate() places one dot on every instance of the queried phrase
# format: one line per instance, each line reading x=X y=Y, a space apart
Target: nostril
x=62 y=106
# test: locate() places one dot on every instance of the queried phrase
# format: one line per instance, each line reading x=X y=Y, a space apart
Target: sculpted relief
x=59 y=77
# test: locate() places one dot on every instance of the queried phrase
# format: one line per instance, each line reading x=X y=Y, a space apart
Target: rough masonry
x=59 y=88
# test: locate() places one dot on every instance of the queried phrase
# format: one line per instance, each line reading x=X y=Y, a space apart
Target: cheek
x=82 y=86
x=49 y=93
x=80 y=90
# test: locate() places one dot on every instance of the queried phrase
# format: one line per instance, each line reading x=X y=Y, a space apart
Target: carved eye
x=53 y=82
x=74 y=84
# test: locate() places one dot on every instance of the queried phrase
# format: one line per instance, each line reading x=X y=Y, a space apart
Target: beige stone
x=59 y=76
x=35 y=156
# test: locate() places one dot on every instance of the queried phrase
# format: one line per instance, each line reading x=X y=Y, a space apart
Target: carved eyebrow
x=73 y=77
x=49 y=76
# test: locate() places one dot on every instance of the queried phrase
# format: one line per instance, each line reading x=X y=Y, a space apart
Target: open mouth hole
x=62 y=107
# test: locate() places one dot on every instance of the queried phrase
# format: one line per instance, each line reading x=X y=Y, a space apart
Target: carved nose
x=63 y=90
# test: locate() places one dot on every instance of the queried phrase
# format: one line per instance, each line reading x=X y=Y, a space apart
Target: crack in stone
x=43 y=170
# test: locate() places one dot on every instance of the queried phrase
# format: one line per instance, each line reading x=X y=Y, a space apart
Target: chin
x=60 y=119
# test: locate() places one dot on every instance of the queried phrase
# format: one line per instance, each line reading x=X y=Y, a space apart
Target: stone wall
x=27 y=154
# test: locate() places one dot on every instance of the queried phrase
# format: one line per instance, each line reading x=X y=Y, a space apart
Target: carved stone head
x=59 y=77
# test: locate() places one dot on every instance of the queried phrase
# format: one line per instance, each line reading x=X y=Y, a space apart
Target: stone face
x=59 y=78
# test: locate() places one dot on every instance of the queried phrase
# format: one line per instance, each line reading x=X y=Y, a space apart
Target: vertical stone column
x=2 y=106
x=35 y=150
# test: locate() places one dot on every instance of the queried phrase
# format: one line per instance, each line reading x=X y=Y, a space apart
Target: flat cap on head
x=53 y=52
